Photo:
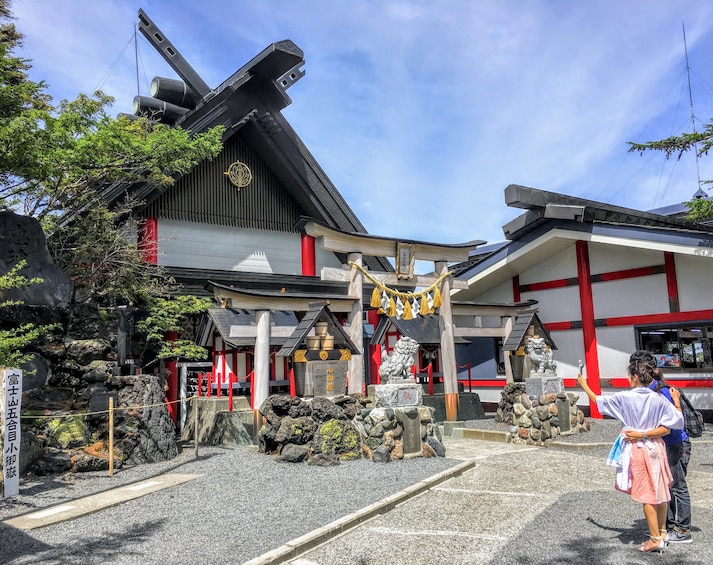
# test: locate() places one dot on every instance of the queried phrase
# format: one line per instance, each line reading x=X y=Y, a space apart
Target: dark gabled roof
x=477 y=256
x=250 y=101
x=522 y=322
x=424 y=329
x=223 y=320
x=318 y=312
x=554 y=222
x=193 y=281
x=282 y=291
x=544 y=206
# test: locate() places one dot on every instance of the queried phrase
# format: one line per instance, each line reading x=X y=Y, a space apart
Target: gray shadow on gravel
x=18 y=547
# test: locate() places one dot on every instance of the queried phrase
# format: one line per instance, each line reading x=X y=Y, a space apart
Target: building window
x=679 y=347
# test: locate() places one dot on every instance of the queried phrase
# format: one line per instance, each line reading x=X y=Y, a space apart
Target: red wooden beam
x=671 y=282
x=589 y=334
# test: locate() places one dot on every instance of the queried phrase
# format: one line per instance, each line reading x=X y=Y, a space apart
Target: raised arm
x=585 y=387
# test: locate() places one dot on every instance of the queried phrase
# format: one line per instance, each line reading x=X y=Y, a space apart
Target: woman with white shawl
x=646 y=417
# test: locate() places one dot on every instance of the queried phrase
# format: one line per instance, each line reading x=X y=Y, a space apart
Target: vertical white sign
x=12 y=393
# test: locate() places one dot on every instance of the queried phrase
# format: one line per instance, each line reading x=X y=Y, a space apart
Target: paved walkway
x=519 y=505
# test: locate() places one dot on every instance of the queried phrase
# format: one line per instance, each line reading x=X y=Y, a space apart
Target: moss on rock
x=66 y=432
x=338 y=437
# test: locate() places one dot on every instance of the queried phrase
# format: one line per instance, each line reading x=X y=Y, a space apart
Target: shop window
x=678 y=346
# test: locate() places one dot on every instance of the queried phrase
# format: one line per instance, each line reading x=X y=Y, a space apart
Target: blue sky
x=422 y=112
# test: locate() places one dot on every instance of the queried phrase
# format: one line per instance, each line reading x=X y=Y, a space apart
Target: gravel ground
x=243 y=504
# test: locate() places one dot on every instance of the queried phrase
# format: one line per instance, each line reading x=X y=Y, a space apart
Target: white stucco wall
x=193 y=245
x=614 y=346
x=563 y=265
x=605 y=258
x=630 y=297
x=500 y=294
x=570 y=350
x=557 y=304
x=695 y=281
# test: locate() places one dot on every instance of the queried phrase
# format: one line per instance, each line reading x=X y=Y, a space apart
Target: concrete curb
x=298 y=546
x=93 y=503
x=487 y=435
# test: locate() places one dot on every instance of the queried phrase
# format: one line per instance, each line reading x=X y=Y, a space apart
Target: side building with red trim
x=607 y=280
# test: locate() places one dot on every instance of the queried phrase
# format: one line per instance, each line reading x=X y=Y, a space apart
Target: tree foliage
x=166 y=316
x=56 y=163
x=701 y=142
x=14 y=341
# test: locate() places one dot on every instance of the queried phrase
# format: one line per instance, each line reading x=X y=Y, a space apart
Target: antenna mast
x=136 y=61
x=690 y=99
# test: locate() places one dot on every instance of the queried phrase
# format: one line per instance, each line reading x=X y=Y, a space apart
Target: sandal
x=664 y=536
x=658 y=548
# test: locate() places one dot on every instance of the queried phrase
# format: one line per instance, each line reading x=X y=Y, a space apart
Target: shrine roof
x=317 y=312
x=237 y=326
x=250 y=101
x=424 y=329
x=522 y=323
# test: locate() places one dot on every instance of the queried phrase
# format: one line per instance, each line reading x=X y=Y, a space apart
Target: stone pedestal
x=392 y=395
x=549 y=383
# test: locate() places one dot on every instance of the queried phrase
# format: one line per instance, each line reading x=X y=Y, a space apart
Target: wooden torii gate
x=405 y=253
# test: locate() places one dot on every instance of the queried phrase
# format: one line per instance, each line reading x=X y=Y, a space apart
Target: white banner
x=10 y=400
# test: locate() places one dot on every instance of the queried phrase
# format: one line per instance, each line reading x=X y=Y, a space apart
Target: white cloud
x=422 y=112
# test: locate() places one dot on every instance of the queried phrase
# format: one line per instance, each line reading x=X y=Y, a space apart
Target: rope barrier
x=115 y=409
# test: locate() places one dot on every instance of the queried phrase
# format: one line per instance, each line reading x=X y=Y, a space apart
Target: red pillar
x=516 y=288
x=309 y=263
x=589 y=334
x=148 y=240
x=172 y=382
x=671 y=282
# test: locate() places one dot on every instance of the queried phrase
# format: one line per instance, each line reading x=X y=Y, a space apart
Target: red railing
x=470 y=376
x=428 y=369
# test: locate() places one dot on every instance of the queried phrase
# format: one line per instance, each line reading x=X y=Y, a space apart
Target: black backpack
x=693 y=419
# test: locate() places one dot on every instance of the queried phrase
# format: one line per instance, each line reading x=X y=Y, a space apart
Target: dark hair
x=643 y=371
x=643 y=357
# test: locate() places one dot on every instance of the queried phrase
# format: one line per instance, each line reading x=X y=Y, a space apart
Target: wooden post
x=448 y=351
x=506 y=354
x=355 y=383
x=261 y=378
x=111 y=436
x=195 y=425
